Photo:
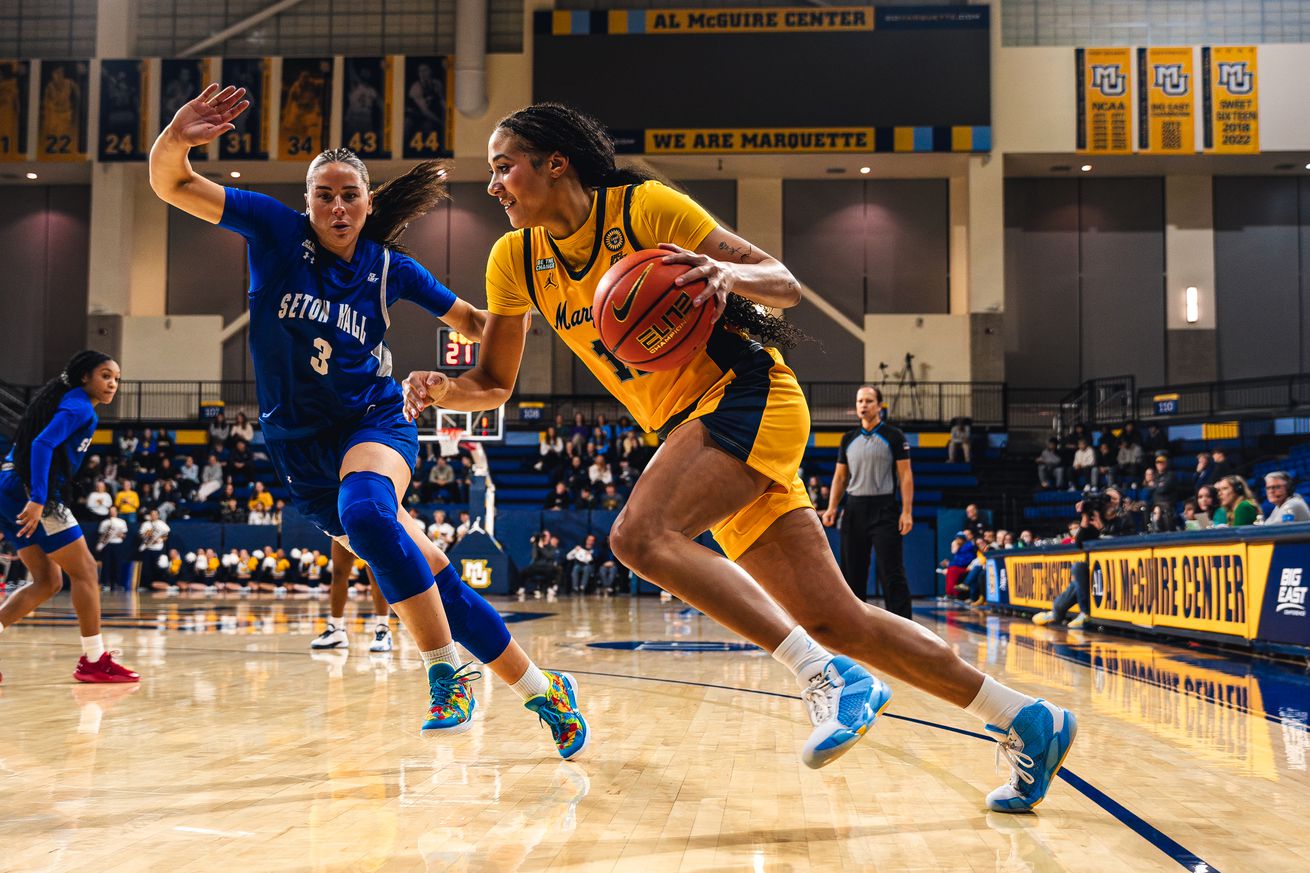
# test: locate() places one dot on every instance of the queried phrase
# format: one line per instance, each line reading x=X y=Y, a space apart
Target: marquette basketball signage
x=796 y=19
x=1037 y=580
x=1232 y=99
x=476 y=572
x=1201 y=589
x=760 y=140
x=1105 y=100
x=1166 y=118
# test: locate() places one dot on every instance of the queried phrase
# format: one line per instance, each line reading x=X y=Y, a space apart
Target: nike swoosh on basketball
x=621 y=312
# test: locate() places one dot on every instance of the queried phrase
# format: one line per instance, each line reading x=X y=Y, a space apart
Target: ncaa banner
x=249 y=140
x=63 y=111
x=181 y=80
x=1105 y=100
x=1232 y=99
x=429 y=116
x=14 y=79
x=366 y=106
x=124 y=106
x=1166 y=114
x=306 y=107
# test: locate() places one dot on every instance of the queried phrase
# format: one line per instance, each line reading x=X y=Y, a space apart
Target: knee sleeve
x=366 y=504
x=474 y=623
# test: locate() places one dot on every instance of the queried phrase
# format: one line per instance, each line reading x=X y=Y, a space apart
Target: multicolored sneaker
x=452 y=699
x=1035 y=745
x=106 y=669
x=843 y=702
x=558 y=709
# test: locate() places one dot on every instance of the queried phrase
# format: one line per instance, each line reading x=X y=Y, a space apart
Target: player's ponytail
x=771 y=330
x=545 y=128
x=38 y=415
x=396 y=202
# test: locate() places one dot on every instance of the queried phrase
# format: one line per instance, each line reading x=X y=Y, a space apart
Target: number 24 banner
x=123 y=110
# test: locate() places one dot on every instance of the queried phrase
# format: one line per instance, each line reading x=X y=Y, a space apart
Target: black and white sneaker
x=332 y=638
x=381 y=639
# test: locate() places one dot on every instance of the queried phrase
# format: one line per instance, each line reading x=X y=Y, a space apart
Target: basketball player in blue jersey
x=320 y=286
x=53 y=436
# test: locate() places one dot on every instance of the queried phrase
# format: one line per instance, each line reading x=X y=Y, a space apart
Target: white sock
x=997 y=705
x=802 y=656
x=533 y=683
x=444 y=655
x=2 y=628
x=338 y=622
x=93 y=647
x=380 y=620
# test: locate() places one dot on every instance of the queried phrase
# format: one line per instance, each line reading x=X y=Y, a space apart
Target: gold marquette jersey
x=559 y=277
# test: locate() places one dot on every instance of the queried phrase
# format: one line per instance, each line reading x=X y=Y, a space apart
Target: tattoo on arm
x=742 y=254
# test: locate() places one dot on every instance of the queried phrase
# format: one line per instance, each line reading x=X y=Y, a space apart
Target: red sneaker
x=104 y=670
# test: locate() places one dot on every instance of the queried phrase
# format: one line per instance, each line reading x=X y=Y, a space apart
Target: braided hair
x=396 y=202
x=543 y=129
x=39 y=413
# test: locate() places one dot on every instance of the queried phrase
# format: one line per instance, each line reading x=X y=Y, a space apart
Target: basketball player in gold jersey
x=735 y=426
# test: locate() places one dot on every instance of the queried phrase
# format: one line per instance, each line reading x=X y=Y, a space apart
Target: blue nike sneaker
x=843 y=702
x=558 y=709
x=1035 y=745
x=452 y=706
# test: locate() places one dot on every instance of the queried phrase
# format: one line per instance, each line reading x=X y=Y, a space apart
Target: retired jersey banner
x=249 y=139
x=180 y=81
x=366 y=107
x=1105 y=100
x=14 y=80
x=306 y=107
x=1166 y=105
x=124 y=106
x=428 y=115
x=1232 y=99
x=63 y=111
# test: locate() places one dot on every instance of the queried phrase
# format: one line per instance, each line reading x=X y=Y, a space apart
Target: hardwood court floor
x=242 y=751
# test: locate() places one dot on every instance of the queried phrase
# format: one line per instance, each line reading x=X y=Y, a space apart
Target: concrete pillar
x=759 y=214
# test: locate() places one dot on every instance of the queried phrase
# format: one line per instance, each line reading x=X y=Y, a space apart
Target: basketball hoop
x=448 y=438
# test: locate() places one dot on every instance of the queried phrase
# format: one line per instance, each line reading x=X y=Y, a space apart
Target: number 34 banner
x=306 y=109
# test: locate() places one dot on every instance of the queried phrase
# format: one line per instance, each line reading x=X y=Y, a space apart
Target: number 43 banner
x=366 y=107
x=123 y=110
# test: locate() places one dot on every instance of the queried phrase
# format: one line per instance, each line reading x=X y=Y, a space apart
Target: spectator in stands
x=127 y=443
x=1050 y=466
x=585 y=499
x=166 y=500
x=1128 y=459
x=560 y=498
x=964 y=549
x=1237 y=506
x=260 y=500
x=610 y=432
x=600 y=441
x=577 y=476
x=1130 y=435
x=242 y=430
x=232 y=513
x=1223 y=465
x=413 y=494
x=1009 y=541
x=1096 y=518
x=543 y=571
x=600 y=473
x=219 y=429
x=238 y=462
x=812 y=489
x=1155 y=441
x=583 y=557
x=627 y=476
x=1207 y=500
x=188 y=476
x=1205 y=471
x=551 y=451
x=1165 y=484
x=441 y=531
x=608 y=573
x=1106 y=463
x=974 y=521
x=99 y=501
x=463 y=478
x=1026 y=540
x=465 y=525
x=579 y=433
x=211 y=478
x=611 y=499
x=152 y=537
x=128 y=502
x=441 y=483
x=1288 y=508
x=1084 y=465
x=147 y=450
x=961 y=440
x=109 y=549
x=1161 y=520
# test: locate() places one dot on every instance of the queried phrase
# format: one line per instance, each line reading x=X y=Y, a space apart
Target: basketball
x=644 y=319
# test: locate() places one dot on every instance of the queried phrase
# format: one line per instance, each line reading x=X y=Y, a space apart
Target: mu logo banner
x=1232 y=99
x=1166 y=106
x=1105 y=100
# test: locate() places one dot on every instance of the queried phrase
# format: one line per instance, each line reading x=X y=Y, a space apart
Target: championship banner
x=249 y=139
x=63 y=111
x=428 y=116
x=366 y=107
x=14 y=78
x=1231 y=97
x=1105 y=100
x=181 y=80
x=306 y=107
x=1166 y=113
x=124 y=107
x=782 y=19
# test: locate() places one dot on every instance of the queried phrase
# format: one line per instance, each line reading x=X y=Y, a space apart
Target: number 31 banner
x=123 y=110
x=306 y=109
x=249 y=141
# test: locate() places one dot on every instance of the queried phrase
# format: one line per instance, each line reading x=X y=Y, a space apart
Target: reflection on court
x=242 y=750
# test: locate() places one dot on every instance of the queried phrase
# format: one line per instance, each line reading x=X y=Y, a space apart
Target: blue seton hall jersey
x=316 y=321
x=69 y=431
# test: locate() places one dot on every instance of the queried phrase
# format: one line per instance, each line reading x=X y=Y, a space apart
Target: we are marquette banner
x=759 y=140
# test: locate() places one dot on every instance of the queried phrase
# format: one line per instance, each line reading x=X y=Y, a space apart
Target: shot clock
x=455 y=351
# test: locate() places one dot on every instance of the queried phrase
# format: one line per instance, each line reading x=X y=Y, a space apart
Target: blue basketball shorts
x=55 y=531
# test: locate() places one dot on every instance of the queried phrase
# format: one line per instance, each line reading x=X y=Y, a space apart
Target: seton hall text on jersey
x=313 y=308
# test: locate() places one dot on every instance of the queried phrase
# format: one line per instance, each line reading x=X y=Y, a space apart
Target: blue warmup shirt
x=316 y=321
x=71 y=429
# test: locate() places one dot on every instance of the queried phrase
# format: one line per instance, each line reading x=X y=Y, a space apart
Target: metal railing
x=179 y=401
x=13 y=400
x=1271 y=394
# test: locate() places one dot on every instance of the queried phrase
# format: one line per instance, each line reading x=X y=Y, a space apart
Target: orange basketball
x=644 y=319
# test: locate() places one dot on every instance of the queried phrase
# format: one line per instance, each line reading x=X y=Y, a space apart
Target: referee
x=872 y=460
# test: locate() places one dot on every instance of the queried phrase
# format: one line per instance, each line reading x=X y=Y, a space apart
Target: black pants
x=874 y=523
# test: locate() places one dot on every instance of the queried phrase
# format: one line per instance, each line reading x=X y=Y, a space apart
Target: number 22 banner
x=63 y=111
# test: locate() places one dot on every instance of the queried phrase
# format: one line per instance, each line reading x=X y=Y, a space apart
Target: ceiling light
x=34 y=176
x=1086 y=168
x=235 y=174
x=866 y=170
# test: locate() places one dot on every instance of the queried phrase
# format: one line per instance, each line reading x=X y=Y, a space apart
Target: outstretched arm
x=198 y=122
x=486 y=386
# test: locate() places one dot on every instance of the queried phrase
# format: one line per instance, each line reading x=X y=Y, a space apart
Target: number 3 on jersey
x=320 y=362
